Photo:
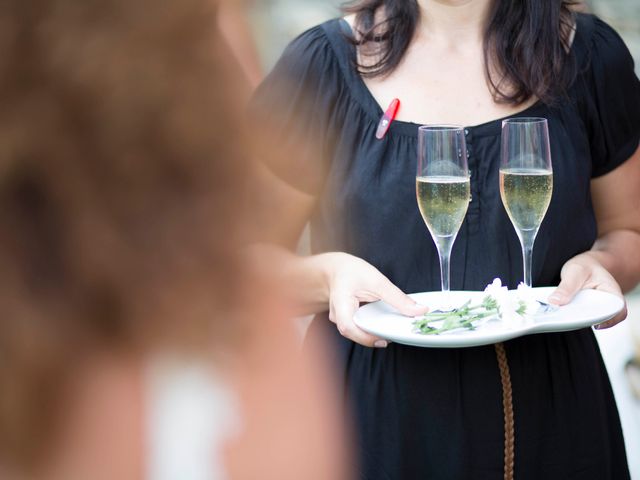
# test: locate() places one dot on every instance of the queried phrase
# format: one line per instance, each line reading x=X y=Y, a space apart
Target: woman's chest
x=434 y=87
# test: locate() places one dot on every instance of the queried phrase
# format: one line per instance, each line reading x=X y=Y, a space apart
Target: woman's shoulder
x=609 y=93
x=318 y=56
x=316 y=43
x=602 y=46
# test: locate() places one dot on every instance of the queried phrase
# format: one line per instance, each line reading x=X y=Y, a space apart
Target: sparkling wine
x=526 y=194
x=443 y=203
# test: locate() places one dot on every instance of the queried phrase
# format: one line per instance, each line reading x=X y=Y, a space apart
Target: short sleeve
x=294 y=106
x=615 y=100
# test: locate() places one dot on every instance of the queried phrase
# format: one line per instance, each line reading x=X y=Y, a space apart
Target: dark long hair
x=526 y=44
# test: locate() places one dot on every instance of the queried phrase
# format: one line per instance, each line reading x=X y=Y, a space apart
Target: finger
x=573 y=279
x=615 y=320
x=402 y=302
x=341 y=312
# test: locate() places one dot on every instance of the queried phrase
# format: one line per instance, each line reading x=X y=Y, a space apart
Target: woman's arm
x=613 y=264
x=336 y=282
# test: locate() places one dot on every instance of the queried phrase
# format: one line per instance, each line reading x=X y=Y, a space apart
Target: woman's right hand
x=350 y=281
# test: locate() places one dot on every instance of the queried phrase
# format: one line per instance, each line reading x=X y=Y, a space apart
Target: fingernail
x=556 y=297
x=380 y=344
x=421 y=307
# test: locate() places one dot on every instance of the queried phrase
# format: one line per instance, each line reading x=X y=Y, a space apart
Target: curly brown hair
x=121 y=185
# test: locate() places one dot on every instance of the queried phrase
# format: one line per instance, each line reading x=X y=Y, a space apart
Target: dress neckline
x=346 y=54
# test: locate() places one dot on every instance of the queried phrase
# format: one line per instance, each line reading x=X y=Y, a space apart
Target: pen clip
x=387 y=119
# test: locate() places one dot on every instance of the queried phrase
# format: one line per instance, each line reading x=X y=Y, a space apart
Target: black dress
x=437 y=413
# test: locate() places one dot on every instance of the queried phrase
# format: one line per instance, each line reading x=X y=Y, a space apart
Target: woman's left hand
x=584 y=271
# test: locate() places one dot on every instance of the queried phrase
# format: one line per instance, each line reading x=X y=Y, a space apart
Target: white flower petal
x=526 y=295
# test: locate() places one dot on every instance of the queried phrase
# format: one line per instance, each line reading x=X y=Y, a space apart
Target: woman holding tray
x=445 y=413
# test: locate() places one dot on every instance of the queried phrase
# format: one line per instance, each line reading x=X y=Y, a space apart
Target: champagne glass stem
x=444 y=246
x=527 y=256
x=527 y=239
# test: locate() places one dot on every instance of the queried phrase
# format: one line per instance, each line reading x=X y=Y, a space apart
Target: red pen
x=388 y=117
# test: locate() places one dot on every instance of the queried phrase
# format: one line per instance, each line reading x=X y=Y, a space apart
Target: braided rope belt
x=507 y=406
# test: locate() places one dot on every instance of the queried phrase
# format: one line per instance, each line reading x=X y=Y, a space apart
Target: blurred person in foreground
x=123 y=203
x=538 y=406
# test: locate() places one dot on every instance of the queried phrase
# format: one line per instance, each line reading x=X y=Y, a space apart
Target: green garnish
x=465 y=316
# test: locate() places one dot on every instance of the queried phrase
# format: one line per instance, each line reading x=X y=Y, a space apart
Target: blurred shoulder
x=316 y=40
x=318 y=52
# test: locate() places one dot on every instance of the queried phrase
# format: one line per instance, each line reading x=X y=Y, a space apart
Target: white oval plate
x=588 y=308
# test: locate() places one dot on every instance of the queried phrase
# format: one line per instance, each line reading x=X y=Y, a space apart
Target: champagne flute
x=443 y=187
x=526 y=180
